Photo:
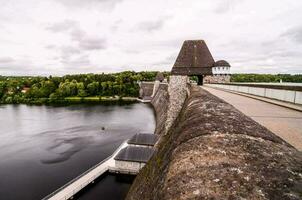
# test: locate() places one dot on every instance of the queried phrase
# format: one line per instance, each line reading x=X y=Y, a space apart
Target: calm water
x=43 y=147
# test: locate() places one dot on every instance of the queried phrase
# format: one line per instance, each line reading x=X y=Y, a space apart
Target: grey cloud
x=226 y=6
x=116 y=25
x=150 y=26
x=169 y=60
x=92 y=43
x=86 y=42
x=6 y=60
x=79 y=61
x=67 y=51
x=63 y=26
x=77 y=34
x=294 y=33
x=89 y=3
x=83 y=41
x=50 y=46
x=17 y=66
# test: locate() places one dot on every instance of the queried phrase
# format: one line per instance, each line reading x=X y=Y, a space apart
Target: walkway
x=70 y=189
x=284 y=122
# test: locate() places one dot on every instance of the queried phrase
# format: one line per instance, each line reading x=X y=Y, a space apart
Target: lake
x=43 y=147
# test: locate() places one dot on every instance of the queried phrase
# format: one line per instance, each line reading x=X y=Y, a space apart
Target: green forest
x=265 y=78
x=96 y=87
x=90 y=87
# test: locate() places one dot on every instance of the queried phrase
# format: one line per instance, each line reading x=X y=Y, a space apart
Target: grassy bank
x=73 y=100
x=98 y=99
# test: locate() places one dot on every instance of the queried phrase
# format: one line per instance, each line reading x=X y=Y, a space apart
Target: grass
x=98 y=99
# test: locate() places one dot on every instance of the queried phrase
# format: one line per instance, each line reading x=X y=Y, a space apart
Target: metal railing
x=82 y=175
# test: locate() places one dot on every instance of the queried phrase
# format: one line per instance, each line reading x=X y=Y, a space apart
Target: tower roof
x=159 y=76
x=222 y=63
x=194 y=58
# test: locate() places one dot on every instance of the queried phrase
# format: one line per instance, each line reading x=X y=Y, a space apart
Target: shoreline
x=73 y=100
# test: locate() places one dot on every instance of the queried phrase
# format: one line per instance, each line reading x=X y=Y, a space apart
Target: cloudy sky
x=91 y=36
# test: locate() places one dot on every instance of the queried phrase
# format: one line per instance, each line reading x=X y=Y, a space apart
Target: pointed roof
x=194 y=58
x=159 y=77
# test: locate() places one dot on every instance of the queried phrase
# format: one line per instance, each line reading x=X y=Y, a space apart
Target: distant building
x=221 y=73
x=195 y=59
x=25 y=89
x=159 y=77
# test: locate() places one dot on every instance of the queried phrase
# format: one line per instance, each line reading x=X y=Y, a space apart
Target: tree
x=81 y=90
x=93 y=88
x=2 y=89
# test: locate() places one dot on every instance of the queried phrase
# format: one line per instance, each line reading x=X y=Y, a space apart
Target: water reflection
x=42 y=147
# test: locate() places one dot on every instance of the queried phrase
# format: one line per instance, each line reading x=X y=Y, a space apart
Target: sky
x=57 y=37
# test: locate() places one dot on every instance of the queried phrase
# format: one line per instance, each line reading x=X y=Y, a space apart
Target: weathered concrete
x=284 y=122
x=214 y=151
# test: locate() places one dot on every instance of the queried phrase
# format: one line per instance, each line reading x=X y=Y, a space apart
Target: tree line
x=52 y=89
x=38 y=89
x=256 y=78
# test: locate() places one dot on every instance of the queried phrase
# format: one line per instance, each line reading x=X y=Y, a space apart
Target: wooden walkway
x=74 y=186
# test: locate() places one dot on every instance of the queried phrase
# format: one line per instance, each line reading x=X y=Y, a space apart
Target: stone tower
x=194 y=59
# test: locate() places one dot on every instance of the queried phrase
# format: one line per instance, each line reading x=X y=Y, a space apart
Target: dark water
x=43 y=147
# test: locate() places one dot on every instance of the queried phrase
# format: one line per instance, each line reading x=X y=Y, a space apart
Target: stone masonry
x=177 y=95
x=213 y=151
x=217 y=79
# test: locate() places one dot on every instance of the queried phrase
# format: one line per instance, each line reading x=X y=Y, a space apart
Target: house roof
x=194 y=58
x=222 y=63
x=143 y=139
x=135 y=154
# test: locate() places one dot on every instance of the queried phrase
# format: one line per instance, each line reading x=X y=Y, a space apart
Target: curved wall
x=213 y=151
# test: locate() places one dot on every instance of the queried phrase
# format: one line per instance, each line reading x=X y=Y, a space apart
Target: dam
x=218 y=144
x=213 y=139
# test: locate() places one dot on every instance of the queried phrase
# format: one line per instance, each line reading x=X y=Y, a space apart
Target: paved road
x=284 y=122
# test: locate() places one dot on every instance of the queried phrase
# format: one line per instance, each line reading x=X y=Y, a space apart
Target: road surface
x=284 y=122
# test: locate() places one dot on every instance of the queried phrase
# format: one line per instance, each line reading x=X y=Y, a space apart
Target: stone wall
x=160 y=103
x=217 y=79
x=177 y=95
x=146 y=89
x=155 y=87
x=213 y=151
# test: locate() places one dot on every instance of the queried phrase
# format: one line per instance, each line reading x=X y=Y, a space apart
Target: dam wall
x=210 y=150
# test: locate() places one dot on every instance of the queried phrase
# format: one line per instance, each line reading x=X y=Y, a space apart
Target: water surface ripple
x=43 y=147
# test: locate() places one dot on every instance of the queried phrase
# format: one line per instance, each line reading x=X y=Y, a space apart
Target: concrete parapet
x=282 y=93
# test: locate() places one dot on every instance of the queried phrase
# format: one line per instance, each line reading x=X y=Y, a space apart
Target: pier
x=128 y=158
